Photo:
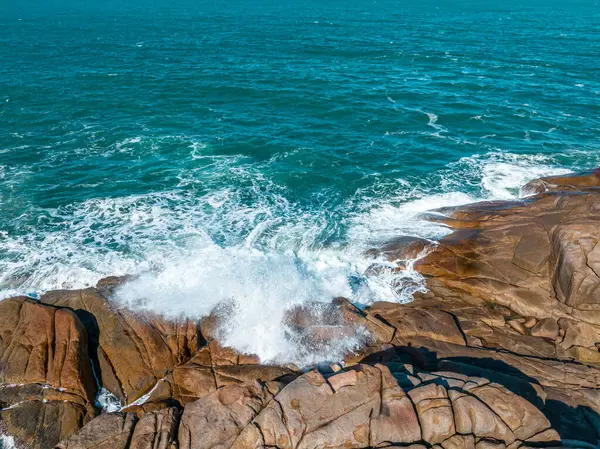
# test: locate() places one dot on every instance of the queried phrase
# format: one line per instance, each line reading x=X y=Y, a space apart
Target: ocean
x=252 y=151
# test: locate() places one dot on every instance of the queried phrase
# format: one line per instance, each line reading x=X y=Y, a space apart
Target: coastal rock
x=154 y=430
x=569 y=182
x=546 y=328
x=415 y=321
x=209 y=369
x=218 y=419
x=520 y=281
x=107 y=431
x=364 y=406
x=47 y=388
x=131 y=351
x=538 y=258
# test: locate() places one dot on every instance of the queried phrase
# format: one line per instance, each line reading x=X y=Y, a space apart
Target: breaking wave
x=254 y=248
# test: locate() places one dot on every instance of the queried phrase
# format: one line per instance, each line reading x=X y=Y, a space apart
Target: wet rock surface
x=501 y=352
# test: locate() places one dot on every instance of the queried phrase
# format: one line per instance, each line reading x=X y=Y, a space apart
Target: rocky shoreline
x=501 y=352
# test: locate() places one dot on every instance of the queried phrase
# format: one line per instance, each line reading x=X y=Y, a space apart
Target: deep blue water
x=272 y=141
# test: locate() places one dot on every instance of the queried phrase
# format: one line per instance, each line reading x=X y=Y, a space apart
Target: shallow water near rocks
x=254 y=153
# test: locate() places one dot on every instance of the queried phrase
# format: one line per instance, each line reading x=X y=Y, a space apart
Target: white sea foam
x=433 y=122
x=261 y=279
x=250 y=247
x=504 y=180
x=107 y=401
x=259 y=288
x=388 y=221
x=7 y=442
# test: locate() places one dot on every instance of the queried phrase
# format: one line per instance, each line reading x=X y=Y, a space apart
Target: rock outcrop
x=364 y=406
x=131 y=351
x=501 y=352
x=47 y=388
x=520 y=283
x=155 y=430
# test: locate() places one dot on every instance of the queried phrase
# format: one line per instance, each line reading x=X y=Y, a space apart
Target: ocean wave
x=259 y=288
x=7 y=442
x=251 y=246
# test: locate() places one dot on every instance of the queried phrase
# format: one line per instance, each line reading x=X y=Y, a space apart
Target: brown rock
x=44 y=345
x=414 y=321
x=156 y=430
x=47 y=388
x=360 y=407
x=545 y=328
x=576 y=263
x=133 y=350
x=218 y=419
x=513 y=410
x=107 y=286
x=532 y=252
x=397 y=420
x=108 y=431
x=42 y=425
x=569 y=182
x=435 y=412
x=517 y=326
x=459 y=442
x=345 y=379
x=473 y=416
x=530 y=322
x=211 y=368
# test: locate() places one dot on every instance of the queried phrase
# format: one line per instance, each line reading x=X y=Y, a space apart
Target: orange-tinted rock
x=133 y=351
x=156 y=430
x=367 y=408
x=413 y=321
x=47 y=388
x=568 y=182
x=108 y=431
x=539 y=258
x=218 y=419
x=435 y=412
x=211 y=368
x=44 y=345
x=546 y=328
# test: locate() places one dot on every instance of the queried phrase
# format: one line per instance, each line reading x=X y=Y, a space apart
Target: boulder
x=209 y=369
x=131 y=351
x=47 y=387
x=154 y=430
x=107 y=431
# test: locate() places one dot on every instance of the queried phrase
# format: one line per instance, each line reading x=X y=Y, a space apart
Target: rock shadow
x=578 y=427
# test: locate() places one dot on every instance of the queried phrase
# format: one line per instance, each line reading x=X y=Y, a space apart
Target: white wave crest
x=7 y=442
x=107 y=401
x=487 y=177
x=248 y=245
x=259 y=289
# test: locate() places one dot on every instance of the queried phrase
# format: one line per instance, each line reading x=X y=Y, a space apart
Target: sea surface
x=251 y=151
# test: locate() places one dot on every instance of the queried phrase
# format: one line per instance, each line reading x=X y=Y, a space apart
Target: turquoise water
x=254 y=149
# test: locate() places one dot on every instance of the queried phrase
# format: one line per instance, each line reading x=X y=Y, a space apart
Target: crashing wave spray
x=258 y=251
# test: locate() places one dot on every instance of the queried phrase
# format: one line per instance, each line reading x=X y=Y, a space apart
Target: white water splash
x=107 y=401
x=254 y=249
x=259 y=289
x=7 y=442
